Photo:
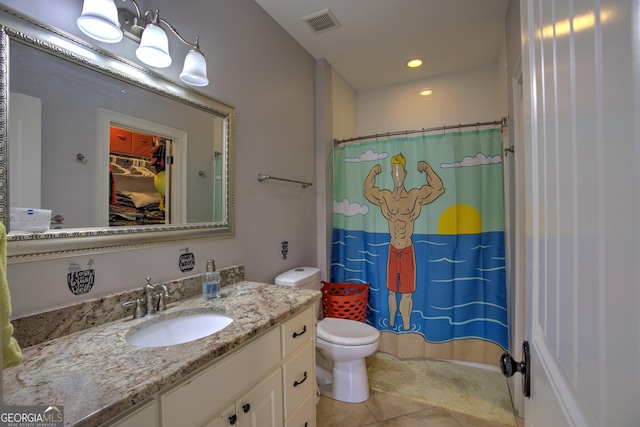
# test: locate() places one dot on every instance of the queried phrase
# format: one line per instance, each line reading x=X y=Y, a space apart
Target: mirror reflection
x=138 y=170
x=62 y=98
x=64 y=101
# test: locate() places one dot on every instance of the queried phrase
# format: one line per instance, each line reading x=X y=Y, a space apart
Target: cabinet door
x=262 y=405
x=194 y=401
x=146 y=416
x=227 y=418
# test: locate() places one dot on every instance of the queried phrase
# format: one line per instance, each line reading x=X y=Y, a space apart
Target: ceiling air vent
x=321 y=21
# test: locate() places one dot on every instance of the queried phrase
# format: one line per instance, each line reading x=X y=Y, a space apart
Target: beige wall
x=345 y=108
x=464 y=97
x=256 y=66
x=336 y=118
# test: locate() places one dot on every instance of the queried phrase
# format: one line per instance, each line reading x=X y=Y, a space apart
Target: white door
x=581 y=72
x=514 y=169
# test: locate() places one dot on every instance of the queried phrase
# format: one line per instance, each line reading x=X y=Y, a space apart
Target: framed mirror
x=60 y=101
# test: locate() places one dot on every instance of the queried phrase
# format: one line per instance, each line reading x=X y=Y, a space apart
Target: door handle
x=509 y=367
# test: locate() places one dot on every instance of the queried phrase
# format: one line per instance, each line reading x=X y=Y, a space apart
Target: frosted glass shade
x=194 y=72
x=154 y=47
x=99 y=20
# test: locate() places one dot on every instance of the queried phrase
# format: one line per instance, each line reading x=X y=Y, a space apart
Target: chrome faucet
x=148 y=294
x=149 y=297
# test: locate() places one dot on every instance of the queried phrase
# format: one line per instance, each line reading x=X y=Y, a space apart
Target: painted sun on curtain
x=421 y=220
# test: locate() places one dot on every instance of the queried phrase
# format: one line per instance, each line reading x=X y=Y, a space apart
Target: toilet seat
x=346 y=332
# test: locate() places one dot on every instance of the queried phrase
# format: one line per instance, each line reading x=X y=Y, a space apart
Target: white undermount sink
x=178 y=330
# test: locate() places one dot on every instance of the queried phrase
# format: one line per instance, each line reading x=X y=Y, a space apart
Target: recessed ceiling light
x=426 y=92
x=414 y=62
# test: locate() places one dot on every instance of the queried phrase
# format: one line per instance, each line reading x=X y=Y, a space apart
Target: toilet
x=341 y=345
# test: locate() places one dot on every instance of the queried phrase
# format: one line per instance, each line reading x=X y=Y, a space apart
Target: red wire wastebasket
x=345 y=300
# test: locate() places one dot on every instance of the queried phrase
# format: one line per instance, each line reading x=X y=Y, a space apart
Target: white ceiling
x=376 y=37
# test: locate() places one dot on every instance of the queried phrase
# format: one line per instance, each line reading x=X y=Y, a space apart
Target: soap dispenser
x=211 y=281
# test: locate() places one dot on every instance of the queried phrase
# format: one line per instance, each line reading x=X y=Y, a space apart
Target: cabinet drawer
x=189 y=404
x=298 y=331
x=305 y=415
x=299 y=378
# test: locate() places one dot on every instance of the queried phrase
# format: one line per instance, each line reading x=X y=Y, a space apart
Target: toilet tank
x=301 y=277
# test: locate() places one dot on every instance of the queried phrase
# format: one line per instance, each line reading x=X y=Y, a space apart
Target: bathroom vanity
x=261 y=367
x=227 y=393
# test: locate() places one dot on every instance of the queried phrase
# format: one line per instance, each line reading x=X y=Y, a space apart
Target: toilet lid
x=346 y=332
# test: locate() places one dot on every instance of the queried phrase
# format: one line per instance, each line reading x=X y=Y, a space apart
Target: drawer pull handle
x=246 y=408
x=296 y=383
x=232 y=419
x=304 y=329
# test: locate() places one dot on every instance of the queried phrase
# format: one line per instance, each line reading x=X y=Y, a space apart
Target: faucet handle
x=162 y=297
x=137 y=314
x=161 y=304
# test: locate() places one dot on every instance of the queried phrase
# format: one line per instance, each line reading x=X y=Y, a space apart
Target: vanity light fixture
x=414 y=62
x=103 y=21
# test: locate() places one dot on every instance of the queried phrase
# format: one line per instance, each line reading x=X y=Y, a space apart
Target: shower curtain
x=420 y=219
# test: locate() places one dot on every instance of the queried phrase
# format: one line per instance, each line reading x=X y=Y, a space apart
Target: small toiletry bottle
x=211 y=281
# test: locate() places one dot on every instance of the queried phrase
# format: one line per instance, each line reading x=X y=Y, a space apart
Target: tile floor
x=385 y=410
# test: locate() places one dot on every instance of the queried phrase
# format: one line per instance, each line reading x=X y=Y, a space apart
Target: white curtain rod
x=504 y=122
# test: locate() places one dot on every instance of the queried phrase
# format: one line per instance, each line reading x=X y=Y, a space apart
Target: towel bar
x=262 y=177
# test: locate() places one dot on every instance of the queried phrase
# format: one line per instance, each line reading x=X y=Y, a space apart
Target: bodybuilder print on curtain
x=421 y=220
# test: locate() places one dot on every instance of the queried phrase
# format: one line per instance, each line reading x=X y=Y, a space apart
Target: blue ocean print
x=460 y=283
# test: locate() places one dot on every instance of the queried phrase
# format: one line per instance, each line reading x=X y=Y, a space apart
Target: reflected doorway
x=142 y=172
x=139 y=176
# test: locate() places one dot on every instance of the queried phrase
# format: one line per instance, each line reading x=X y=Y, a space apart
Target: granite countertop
x=96 y=375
